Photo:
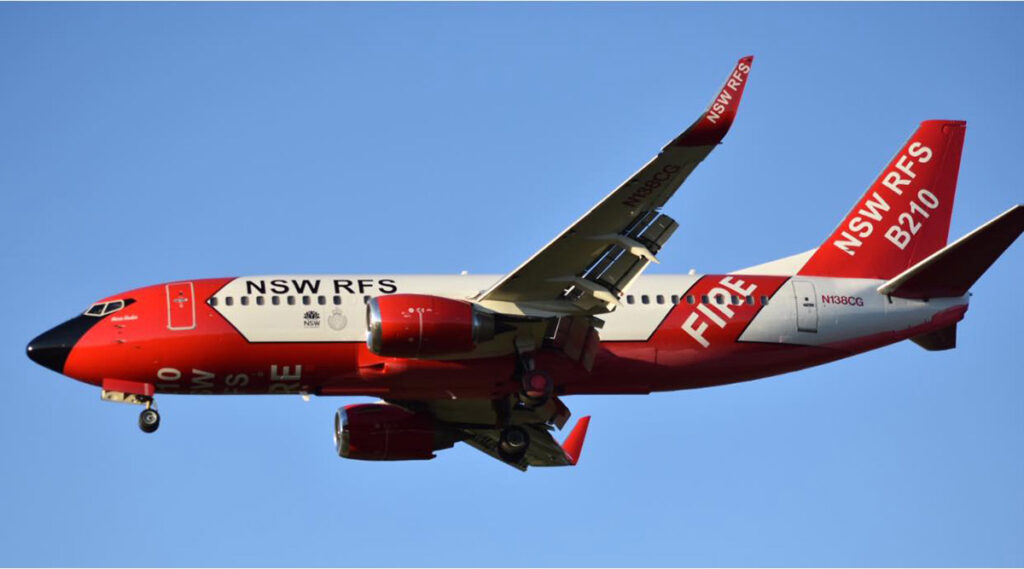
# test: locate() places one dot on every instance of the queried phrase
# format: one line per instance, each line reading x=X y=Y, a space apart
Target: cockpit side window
x=96 y=309
x=113 y=306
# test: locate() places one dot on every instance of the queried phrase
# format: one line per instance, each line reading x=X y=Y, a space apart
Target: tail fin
x=904 y=216
x=954 y=269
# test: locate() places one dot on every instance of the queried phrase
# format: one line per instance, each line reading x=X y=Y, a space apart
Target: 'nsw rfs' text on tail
x=904 y=216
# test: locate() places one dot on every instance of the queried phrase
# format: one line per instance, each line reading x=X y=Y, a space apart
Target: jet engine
x=381 y=431
x=419 y=325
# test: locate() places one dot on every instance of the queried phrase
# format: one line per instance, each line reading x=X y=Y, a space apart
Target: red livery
x=488 y=359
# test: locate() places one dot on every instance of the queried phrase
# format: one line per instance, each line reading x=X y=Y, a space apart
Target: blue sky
x=146 y=143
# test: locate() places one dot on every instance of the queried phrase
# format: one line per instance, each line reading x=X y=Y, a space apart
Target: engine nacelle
x=380 y=431
x=420 y=325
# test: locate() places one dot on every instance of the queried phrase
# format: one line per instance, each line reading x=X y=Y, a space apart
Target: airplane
x=488 y=359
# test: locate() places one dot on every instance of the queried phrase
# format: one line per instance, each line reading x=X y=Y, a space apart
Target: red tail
x=904 y=216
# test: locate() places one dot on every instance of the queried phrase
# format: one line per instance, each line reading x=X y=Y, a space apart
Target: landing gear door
x=181 y=306
x=806 y=306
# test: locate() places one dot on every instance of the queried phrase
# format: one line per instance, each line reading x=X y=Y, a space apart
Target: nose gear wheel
x=149 y=418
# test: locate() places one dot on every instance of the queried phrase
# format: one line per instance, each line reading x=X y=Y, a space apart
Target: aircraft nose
x=51 y=348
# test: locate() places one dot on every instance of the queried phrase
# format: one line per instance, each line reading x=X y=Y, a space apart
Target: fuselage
x=278 y=334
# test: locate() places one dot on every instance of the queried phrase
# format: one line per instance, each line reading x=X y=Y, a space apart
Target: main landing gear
x=535 y=387
x=536 y=390
x=513 y=443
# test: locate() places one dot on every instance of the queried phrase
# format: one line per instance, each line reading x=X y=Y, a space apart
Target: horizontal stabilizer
x=952 y=270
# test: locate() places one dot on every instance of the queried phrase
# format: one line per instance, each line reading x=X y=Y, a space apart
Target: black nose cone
x=48 y=350
x=51 y=348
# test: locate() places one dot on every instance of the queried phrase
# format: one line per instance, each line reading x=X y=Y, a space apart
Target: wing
x=474 y=422
x=588 y=267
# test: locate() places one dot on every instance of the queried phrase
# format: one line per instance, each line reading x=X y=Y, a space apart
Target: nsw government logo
x=311 y=319
x=337 y=320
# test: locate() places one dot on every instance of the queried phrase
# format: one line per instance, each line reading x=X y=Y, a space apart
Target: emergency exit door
x=181 y=308
x=806 y=306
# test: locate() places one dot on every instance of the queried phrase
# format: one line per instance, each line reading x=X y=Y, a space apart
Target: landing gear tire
x=537 y=389
x=513 y=444
x=149 y=420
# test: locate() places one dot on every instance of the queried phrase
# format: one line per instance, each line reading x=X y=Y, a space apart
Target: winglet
x=573 y=445
x=711 y=127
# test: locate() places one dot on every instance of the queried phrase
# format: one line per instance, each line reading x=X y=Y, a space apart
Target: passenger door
x=806 y=306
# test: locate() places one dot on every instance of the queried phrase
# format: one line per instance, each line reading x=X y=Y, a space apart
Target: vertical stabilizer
x=904 y=216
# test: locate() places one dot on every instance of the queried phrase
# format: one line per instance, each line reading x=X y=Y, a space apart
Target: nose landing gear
x=149 y=418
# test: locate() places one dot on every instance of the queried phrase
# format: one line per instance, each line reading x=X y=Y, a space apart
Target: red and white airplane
x=487 y=359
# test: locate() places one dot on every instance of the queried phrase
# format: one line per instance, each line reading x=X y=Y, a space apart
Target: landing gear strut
x=149 y=418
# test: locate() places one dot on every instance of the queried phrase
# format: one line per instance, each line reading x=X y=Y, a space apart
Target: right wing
x=475 y=421
x=544 y=450
x=587 y=268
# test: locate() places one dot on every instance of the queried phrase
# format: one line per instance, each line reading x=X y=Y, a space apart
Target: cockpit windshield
x=103 y=308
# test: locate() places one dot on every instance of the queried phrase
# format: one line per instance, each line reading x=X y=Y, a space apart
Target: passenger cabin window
x=275 y=300
x=213 y=301
x=321 y=300
x=259 y=300
x=291 y=300
x=228 y=301
x=689 y=299
x=366 y=299
x=704 y=299
x=305 y=300
x=750 y=299
x=764 y=300
x=675 y=299
x=719 y=299
x=645 y=299
x=660 y=299
x=244 y=300
x=337 y=300
x=630 y=299
x=735 y=299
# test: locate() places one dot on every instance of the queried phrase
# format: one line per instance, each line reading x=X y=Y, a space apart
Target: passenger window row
x=689 y=299
x=278 y=300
